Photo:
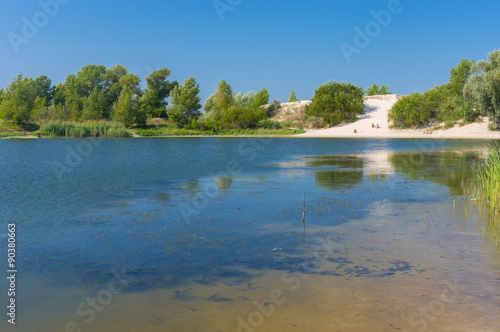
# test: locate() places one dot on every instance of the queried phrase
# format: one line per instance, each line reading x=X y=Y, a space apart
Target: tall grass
x=222 y=132
x=83 y=129
x=488 y=189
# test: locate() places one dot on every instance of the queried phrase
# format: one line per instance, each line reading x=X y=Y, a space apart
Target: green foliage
x=20 y=100
x=444 y=103
x=482 y=90
x=44 y=87
x=85 y=129
x=245 y=100
x=268 y=124
x=209 y=104
x=410 y=111
x=375 y=90
x=220 y=132
x=273 y=107
x=336 y=102
x=154 y=100
x=185 y=103
x=488 y=185
x=223 y=97
x=261 y=98
x=127 y=109
x=459 y=76
x=293 y=97
x=95 y=107
x=241 y=117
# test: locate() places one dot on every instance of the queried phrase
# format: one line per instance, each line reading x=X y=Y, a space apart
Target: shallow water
x=208 y=235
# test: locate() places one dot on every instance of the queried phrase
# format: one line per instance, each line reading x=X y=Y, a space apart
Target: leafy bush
x=240 y=117
x=268 y=124
x=273 y=108
x=410 y=111
x=336 y=102
x=449 y=124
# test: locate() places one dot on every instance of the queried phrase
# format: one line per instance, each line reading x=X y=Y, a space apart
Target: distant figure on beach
x=38 y=135
x=373 y=126
x=355 y=131
x=378 y=126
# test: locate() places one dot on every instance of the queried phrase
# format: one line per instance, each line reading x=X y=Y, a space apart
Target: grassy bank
x=222 y=132
x=83 y=129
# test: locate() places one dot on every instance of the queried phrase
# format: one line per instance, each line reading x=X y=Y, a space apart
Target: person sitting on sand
x=38 y=135
x=378 y=126
x=373 y=126
x=355 y=131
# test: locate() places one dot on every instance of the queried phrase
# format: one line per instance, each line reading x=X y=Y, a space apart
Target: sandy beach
x=376 y=110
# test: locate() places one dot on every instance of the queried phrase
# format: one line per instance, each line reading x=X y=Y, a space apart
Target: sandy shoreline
x=376 y=110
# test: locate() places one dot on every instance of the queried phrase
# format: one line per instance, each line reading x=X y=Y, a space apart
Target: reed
x=83 y=129
x=488 y=189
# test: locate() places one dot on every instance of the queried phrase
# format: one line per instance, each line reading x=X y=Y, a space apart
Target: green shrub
x=493 y=126
x=287 y=124
x=268 y=124
x=410 y=111
x=449 y=124
x=273 y=108
x=336 y=102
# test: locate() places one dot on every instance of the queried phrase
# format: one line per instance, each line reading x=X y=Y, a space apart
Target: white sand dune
x=376 y=110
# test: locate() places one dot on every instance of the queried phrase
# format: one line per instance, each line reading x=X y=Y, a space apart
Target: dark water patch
x=218 y=298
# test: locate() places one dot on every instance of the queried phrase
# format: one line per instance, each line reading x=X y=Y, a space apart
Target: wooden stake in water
x=304 y=223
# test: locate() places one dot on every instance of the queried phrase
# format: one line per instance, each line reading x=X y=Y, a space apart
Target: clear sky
x=251 y=44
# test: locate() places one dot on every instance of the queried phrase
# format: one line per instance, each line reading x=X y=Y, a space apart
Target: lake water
x=208 y=234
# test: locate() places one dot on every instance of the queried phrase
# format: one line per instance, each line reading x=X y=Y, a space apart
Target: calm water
x=207 y=234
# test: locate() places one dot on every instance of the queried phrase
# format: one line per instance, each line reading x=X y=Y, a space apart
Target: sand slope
x=376 y=110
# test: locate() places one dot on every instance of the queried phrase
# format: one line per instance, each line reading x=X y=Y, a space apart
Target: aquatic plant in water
x=488 y=189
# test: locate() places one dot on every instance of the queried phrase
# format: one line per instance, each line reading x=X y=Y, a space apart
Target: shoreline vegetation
x=487 y=191
x=111 y=102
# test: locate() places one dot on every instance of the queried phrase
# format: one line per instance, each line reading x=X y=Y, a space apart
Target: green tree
x=111 y=78
x=20 y=100
x=79 y=87
x=154 y=99
x=44 y=87
x=245 y=100
x=209 y=105
x=261 y=98
x=459 y=76
x=223 y=97
x=482 y=90
x=127 y=109
x=95 y=106
x=185 y=103
x=293 y=97
x=336 y=102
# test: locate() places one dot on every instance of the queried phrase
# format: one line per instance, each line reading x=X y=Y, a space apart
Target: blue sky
x=251 y=44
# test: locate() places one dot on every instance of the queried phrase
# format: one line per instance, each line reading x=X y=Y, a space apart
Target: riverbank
x=376 y=111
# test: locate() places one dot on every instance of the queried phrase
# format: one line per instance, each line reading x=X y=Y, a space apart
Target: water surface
x=207 y=234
